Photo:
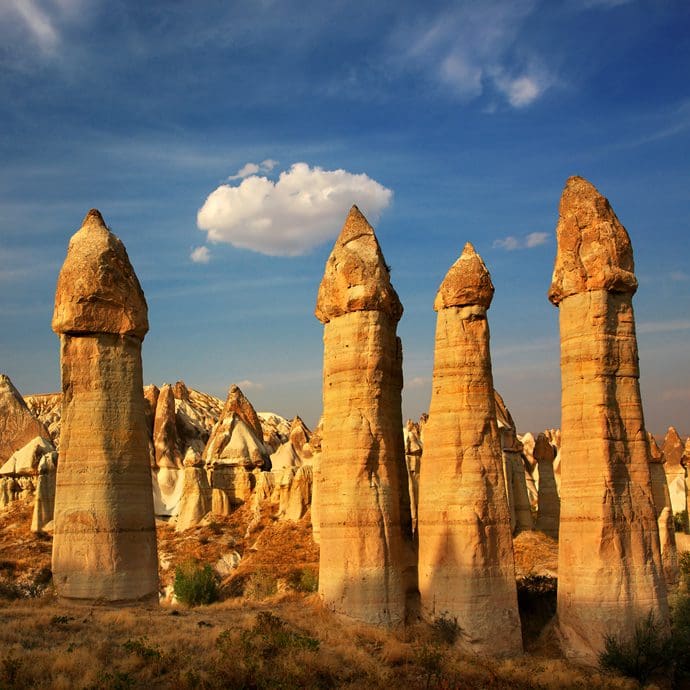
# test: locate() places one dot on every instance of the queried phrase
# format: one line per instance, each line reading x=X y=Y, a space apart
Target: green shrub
x=680 y=521
x=195 y=584
x=305 y=580
x=141 y=648
x=639 y=655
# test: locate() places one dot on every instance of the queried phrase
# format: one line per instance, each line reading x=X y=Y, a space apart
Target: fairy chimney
x=104 y=545
x=367 y=566
x=466 y=563
x=609 y=569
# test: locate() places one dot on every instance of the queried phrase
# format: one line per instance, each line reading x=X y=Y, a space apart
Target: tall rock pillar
x=609 y=565
x=367 y=567
x=466 y=563
x=104 y=545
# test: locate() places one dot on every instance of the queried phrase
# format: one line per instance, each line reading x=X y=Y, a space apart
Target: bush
x=260 y=584
x=680 y=521
x=305 y=580
x=195 y=584
x=446 y=628
x=639 y=655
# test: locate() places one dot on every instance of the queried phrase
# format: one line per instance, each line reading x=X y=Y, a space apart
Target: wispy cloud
x=676 y=394
x=418 y=382
x=253 y=169
x=303 y=209
x=511 y=243
x=671 y=326
x=249 y=385
x=472 y=49
x=679 y=276
x=200 y=255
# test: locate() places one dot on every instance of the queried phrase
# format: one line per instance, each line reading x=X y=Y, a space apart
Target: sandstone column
x=466 y=563
x=367 y=566
x=548 y=503
x=674 y=466
x=609 y=566
x=104 y=546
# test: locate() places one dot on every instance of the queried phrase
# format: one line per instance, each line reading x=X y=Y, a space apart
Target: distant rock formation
x=195 y=499
x=413 y=458
x=367 y=562
x=548 y=501
x=466 y=562
x=17 y=423
x=662 y=506
x=234 y=451
x=514 y=469
x=104 y=545
x=609 y=569
x=44 y=502
x=674 y=465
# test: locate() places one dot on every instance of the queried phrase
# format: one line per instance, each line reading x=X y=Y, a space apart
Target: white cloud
x=200 y=255
x=511 y=243
x=521 y=91
x=679 y=276
x=254 y=168
x=303 y=209
x=418 y=382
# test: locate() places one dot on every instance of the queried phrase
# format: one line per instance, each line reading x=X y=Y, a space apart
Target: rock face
x=44 y=503
x=609 y=569
x=195 y=500
x=466 y=562
x=367 y=563
x=17 y=424
x=514 y=470
x=673 y=460
x=548 y=502
x=413 y=459
x=104 y=545
x=662 y=506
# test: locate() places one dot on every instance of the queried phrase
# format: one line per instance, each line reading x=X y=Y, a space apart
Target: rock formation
x=609 y=568
x=466 y=562
x=674 y=466
x=104 y=545
x=662 y=506
x=195 y=501
x=413 y=460
x=367 y=562
x=548 y=502
x=17 y=424
x=531 y=469
x=514 y=470
x=234 y=450
x=44 y=502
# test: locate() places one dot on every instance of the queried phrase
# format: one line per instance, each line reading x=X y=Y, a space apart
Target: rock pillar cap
x=97 y=289
x=356 y=276
x=594 y=250
x=467 y=283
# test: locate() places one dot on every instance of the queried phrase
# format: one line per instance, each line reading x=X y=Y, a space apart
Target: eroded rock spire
x=104 y=545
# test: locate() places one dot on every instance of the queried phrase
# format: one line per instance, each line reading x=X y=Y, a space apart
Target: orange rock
x=609 y=572
x=466 y=562
x=367 y=562
x=104 y=545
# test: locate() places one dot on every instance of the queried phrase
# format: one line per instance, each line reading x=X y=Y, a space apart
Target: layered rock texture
x=610 y=573
x=104 y=546
x=466 y=563
x=367 y=561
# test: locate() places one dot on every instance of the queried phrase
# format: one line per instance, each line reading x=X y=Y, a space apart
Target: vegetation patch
x=195 y=584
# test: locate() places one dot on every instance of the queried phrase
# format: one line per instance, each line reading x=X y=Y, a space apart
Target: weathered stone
x=24 y=462
x=609 y=573
x=531 y=469
x=662 y=506
x=238 y=404
x=295 y=492
x=17 y=424
x=466 y=562
x=548 y=503
x=367 y=564
x=44 y=502
x=674 y=465
x=195 y=501
x=104 y=545
x=413 y=460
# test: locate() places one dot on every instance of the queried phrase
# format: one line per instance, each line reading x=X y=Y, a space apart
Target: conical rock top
x=97 y=289
x=594 y=250
x=238 y=404
x=673 y=448
x=467 y=283
x=356 y=276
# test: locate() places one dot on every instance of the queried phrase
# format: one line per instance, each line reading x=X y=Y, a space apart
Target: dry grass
x=535 y=554
x=282 y=639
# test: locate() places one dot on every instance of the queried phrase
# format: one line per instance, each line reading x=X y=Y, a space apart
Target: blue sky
x=452 y=122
